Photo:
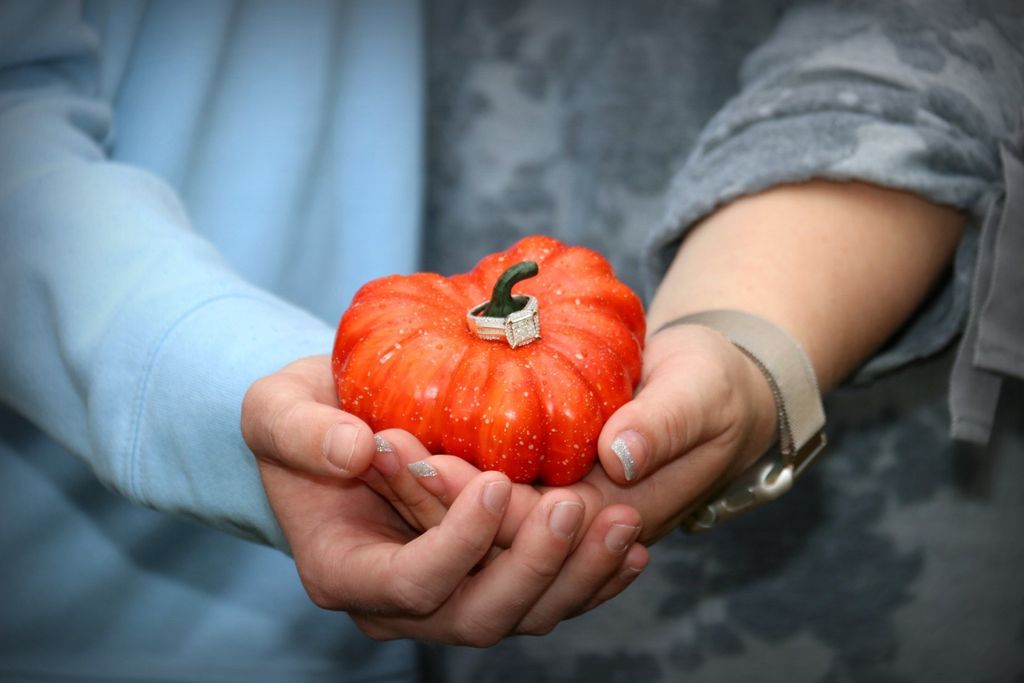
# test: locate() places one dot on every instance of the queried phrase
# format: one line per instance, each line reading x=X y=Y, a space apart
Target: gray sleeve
x=909 y=95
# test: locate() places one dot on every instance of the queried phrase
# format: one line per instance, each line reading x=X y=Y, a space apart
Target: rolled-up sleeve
x=914 y=96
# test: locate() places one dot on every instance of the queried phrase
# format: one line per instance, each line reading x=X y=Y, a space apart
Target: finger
x=391 y=478
x=434 y=627
x=591 y=568
x=496 y=599
x=636 y=560
x=688 y=396
x=668 y=496
x=285 y=420
x=373 y=479
x=422 y=574
x=444 y=476
x=490 y=604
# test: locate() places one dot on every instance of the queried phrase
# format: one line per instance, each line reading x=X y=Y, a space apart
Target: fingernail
x=386 y=462
x=630 y=448
x=496 y=495
x=340 y=444
x=565 y=518
x=428 y=478
x=620 y=537
x=422 y=468
x=630 y=573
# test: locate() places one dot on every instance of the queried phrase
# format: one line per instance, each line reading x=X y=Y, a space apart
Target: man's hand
x=355 y=553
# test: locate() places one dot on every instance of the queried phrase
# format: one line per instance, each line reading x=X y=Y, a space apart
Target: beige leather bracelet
x=801 y=416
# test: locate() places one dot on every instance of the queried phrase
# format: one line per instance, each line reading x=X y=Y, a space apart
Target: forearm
x=828 y=97
x=840 y=266
x=131 y=341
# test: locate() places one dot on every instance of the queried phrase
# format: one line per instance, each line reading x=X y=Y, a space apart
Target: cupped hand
x=702 y=414
x=355 y=552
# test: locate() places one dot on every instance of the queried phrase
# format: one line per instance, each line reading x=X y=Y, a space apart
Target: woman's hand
x=355 y=553
x=702 y=414
x=839 y=266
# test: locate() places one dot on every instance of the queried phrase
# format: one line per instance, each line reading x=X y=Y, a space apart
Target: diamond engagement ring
x=518 y=328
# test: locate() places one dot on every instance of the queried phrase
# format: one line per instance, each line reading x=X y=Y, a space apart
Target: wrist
x=738 y=408
x=800 y=416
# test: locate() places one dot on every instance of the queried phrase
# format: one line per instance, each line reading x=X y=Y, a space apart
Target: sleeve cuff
x=185 y=450
x=744 y=156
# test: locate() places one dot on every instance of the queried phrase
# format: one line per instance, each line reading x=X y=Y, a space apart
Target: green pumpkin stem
x=502 y=302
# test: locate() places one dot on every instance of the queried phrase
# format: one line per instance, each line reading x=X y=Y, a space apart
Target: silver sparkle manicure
x=422 y=469
x=382 y=445
x=621 y=451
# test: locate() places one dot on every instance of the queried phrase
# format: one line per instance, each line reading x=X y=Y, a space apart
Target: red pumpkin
x=407 y=356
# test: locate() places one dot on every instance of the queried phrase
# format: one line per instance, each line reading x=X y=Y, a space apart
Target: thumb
x=292 y=418
x=697 y=387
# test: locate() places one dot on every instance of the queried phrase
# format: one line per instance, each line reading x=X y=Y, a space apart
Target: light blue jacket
x=189 y=195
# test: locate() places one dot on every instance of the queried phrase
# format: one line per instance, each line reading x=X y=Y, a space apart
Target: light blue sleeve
x=126 y=337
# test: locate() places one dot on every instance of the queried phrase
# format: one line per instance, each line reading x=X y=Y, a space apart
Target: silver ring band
x=518 y=329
